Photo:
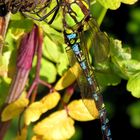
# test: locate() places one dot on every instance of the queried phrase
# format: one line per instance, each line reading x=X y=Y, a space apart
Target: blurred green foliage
x=123 y=62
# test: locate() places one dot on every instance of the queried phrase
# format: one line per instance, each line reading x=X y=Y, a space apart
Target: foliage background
x=123 y=108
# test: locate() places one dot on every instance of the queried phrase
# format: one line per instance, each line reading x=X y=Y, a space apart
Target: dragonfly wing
x=100 y=41
x=87 y=95
x=85 y=88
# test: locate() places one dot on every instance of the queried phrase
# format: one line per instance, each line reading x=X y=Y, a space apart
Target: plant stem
x=3 y=125
x=102 y=15
x=3 y=128
x=4 y=21
x=67 y=96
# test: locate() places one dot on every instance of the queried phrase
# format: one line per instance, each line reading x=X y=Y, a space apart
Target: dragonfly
x=74 y=25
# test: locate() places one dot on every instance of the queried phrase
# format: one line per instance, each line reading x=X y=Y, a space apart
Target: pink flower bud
x=27 y=49
x=25 y=56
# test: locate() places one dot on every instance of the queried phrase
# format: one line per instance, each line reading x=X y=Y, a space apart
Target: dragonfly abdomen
x=73 y=42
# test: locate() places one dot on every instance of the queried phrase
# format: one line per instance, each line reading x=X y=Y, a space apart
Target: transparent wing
x=86 y=90
x=90 y=89
x=99 y=41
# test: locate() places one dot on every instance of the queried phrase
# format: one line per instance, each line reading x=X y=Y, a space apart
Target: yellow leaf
x=91 y=107
x=37 y=138
x=22 y=135
x=14 y=109
x=68 y=78
x=36 y=109
x=33 y=112
x=51 y=100
x=78 y=111
x=57 y=126
x=129 y=1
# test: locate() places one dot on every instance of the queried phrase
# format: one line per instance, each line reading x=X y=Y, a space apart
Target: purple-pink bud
x=27 y=49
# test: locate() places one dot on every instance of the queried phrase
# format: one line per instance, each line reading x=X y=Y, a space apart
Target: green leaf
x=19 y=26
x=133 y=85
x=128 y=68
x=129 y=1
x=18 y=21
x=134 y=113
x=117 y=50
x=115 y=4
x=62 y=64
x=51 y=50
x=10 y=42
x=110 y=4
x=105 y=74
x=16 y=16
x=57 y=20
x=107 y=79
x=122 y=63
x=12 y=63
x=53 y=34
x=4 y=87
x=135 y=53
x=48 y=71
x=96 y=9
x=56 y=54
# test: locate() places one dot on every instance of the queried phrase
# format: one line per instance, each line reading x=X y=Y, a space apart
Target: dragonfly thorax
x=72 y=18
